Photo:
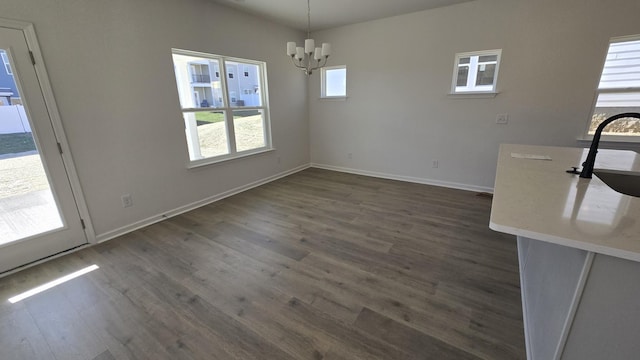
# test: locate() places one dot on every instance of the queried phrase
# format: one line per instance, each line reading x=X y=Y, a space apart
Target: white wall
x=398 y=117
x=110 y=66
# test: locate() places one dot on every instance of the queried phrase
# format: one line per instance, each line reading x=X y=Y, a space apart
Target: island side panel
x=523 y=247
x=607 y=323
x=550 y=276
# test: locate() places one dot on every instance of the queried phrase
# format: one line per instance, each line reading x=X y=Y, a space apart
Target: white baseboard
x=194 y=205
x=447 y=184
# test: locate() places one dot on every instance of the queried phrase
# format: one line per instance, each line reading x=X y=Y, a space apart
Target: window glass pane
x=244 y=90
x=463 y=75
x=622 y=66
x=488 y=58
x=486 y=73
x=248 y=126
x=210 y=136
x=464 y=60
x=198 y=85
x=609 y=104
x=335 y=82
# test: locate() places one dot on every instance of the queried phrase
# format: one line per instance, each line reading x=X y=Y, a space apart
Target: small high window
x=334 y=81
x=619 y=88
x=476 y=72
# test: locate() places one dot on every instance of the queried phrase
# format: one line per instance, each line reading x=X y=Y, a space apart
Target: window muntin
x=619 y=88
x=225 y=117
x=334 y=81
x=476 y=72
x=5 y=61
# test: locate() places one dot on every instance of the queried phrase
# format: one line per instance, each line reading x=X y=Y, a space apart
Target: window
x=334 y=81
x=476 y=72
x=220 y=125
x=619 y=88
x=5 y=61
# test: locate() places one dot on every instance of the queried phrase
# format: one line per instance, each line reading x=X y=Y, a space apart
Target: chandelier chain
x=308 y=19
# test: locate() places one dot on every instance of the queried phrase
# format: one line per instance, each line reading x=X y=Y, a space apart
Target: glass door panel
x=38 y=213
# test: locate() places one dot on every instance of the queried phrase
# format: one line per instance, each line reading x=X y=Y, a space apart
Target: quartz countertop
x=538 y=199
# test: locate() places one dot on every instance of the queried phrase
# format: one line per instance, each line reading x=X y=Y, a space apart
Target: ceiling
x=331 y=13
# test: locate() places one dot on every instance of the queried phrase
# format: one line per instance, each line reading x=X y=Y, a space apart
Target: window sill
x=333 y=98
x=611 y=139
x=226 y=158
x=473 y=95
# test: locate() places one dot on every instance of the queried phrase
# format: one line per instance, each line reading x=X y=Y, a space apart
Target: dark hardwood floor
x=317 y=265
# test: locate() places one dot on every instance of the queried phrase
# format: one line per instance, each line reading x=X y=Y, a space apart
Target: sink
x=625 y=182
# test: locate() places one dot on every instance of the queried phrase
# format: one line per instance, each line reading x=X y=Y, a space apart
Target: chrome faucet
x=587 y=165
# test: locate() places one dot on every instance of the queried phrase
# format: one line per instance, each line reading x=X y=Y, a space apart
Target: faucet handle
x=574 y=170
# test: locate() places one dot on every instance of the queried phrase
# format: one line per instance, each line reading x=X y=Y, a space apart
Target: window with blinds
x=619 y=87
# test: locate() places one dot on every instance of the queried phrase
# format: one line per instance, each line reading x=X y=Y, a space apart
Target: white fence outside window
x=13 y=119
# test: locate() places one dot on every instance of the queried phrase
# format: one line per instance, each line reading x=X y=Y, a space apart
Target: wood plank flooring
x=317 y=265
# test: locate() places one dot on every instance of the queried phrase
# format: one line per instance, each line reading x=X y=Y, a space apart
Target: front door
x=38 y=213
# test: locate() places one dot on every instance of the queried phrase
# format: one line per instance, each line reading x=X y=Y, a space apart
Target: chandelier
x=309 y=57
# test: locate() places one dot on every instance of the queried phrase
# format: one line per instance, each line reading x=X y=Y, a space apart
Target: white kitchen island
x=578 y=248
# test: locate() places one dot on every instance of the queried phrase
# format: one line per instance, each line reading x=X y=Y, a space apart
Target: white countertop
x=537 y=199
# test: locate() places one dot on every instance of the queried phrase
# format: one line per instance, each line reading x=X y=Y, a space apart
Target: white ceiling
x=331 y=13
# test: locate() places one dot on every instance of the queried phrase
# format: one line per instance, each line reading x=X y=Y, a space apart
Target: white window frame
x=471 y=87
x=609 y=90
x=323 y=82
x=7 y=64
x=193 y=143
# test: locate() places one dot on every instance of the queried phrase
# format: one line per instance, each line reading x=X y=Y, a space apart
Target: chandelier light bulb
x=326 y=49
x=291 y=48
x=309 y=45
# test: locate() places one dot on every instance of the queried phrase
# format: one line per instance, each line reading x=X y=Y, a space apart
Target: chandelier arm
x=297 y=64
x=318 y=65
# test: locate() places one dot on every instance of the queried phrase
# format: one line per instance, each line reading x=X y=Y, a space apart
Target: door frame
x=58 y=130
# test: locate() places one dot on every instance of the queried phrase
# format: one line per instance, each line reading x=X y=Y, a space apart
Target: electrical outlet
x=434 y=164
x=502 y=119
x=127 y=200
x=350 y=155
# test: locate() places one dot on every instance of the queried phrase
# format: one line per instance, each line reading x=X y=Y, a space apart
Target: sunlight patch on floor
x=51 y=284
